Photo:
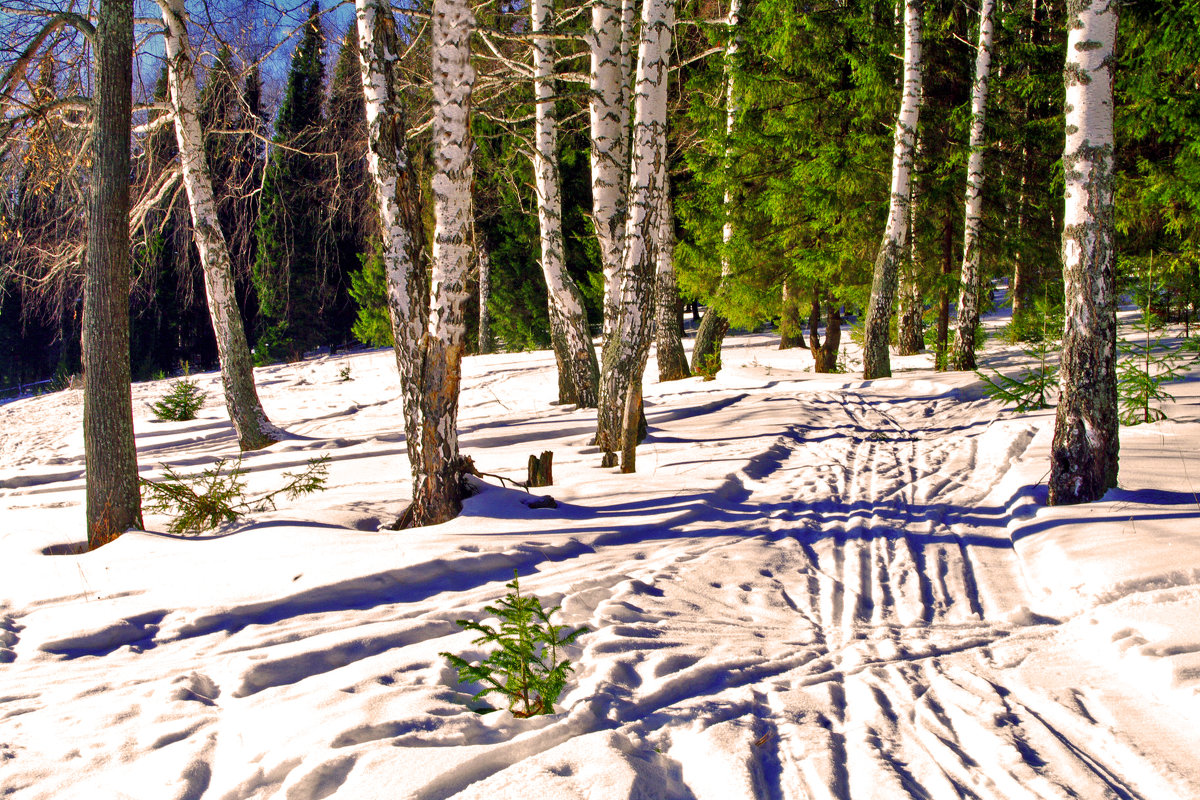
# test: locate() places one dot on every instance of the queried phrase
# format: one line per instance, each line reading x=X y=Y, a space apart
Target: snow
x=815 y=587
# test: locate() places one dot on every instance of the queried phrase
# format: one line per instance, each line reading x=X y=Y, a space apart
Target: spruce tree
x=292 y=261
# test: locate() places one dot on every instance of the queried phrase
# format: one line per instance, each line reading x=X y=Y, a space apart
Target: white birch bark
x=963 y=355
x=578 y=372
x=608 y=112
x=399 y=212
x=626 y=350
x=876 y=361
x=1083 y=454
x=253 y=429
x=437 y=491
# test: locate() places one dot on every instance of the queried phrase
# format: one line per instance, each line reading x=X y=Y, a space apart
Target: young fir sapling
x=525 y=667
x=217 y=496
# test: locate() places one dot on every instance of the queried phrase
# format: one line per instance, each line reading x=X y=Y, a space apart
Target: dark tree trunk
x=825 y=353
x=113 y=498
x=706 y=353
x=791 y=333
x=943 y=320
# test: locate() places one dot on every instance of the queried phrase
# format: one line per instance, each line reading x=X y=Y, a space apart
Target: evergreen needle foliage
x=1141 y=376
x=181 y=403
x=217 y=495
x=1032 y=389
x=525 y=668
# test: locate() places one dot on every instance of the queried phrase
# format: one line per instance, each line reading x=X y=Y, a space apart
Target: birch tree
x=876 y=361
x=428 y=327
x=963 y=355
x=254 y=430
x=113 y=497
x=578 y=372
x=1083 y=454
x=608 y=113
x=625 y=351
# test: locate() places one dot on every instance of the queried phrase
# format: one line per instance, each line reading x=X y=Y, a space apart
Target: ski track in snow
x=840 y=617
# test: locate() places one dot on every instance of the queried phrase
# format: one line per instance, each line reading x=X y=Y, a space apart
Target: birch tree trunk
x=578 y=372
x=254 y=430
x=910 y=316
x=609 y=117
x=963 y=355
x=672 y=361
x=876 y=361
x=437 y=487
x=114 y=502
x=1083 y=454
x=706 y=351
x=625 y=352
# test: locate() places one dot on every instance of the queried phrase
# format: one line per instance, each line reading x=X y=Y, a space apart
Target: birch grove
x=578 y=372
x=1083 y=454
x=876 y=361
x=626 y=350
x=254 y=430
x=963 y=354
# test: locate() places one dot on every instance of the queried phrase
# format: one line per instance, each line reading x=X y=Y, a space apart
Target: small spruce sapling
x=181 y=403
x=1150 y=364
x=217 y=495
x=525 y=668
x=1033 y=388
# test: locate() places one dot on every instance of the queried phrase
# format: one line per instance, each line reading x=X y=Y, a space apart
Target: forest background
x=777 y=214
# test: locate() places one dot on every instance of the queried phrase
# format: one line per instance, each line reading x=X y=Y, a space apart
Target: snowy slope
x=814 y=587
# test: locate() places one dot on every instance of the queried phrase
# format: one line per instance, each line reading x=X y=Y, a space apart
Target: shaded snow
x=815 y=587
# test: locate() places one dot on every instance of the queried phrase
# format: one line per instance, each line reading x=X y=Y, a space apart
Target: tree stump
x=541 y=470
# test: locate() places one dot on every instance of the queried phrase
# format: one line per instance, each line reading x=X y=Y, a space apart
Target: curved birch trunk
x=625 y=351
x=672 y=361
x=963 y=355
x=876 y=361
x=437 y=488
x=1083 y=454
x=608 y=112
x=113 y=503
x=578 y=372
x=254 y=430
x=398 y=195
x=706 y=352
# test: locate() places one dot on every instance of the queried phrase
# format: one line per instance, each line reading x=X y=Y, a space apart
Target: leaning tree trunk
x=876 y=361
x=963 y=355
x=672 y=361
x=578 y=373
x=609 y=117
x=114 y=502
x=1083 y=454
x=254 y=430
x=706 y=352
x=626 y=350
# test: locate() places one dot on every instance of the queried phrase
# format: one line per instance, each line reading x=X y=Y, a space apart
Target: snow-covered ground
x=814 y=587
